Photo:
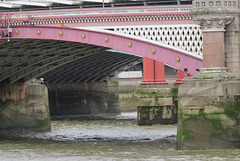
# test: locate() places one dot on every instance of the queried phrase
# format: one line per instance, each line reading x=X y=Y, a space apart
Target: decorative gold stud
x=17 y=32
x=83 y=36
x=106 y=39
x=60 y=33
x=178 y=59
x=154 y=51
x=130 y=45
x=38 y=32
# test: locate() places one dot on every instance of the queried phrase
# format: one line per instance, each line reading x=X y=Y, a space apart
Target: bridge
x=73 y=46
x=178 y=45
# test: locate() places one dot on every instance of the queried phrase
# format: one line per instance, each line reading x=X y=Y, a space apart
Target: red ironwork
x=165 y=54
x=180 y=76
x=153 y=72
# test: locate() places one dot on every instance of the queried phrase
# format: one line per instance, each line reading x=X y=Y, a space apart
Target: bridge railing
x=112 y=10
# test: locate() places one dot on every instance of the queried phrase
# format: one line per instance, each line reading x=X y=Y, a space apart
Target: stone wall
x=83 y=98
x=127 y=94
x=156 y=105
x=24 y=107
x=209 y=115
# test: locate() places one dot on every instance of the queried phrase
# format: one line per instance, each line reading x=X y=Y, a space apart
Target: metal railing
x=111 y=10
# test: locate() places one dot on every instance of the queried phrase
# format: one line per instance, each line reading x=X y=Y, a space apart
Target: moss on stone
x=114 y=79
x=192 y=117
x=127 y=92
x=174 y=92
x=214 y=75
x=140 y=92
x=179 y=136
x=231 y=109
x=217 y=124
x=159 y=113
x=45 y=121
x=180 y=114
x=144 y=110
x=186 y=134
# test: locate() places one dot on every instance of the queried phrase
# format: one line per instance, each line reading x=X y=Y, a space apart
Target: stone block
x=233 y=59
x=148 y=115
x=164 y=101
x=83 y=98
x=127 y=101
x=209 y=124
x=24 y=108
x=232 y=39
x=234 y=68
x=232 y=54
x=146 y=102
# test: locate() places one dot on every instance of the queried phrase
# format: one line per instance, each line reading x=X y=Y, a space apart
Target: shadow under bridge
x=60 y=61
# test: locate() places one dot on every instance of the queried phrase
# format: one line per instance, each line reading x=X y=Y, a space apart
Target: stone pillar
x=213 y=49
x=24 y=107
x=213 y=29
x=215 y=16
x=208 y=106
x=208 y=115
x=153 y=72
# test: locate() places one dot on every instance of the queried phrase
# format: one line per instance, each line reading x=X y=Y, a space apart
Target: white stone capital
x=213 y=24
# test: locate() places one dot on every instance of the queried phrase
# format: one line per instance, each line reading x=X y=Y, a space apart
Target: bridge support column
x=153 y=72
x=156 y=105
x=208 y=106
x=24 y=107
x=213 y=49
x=208 y=115
x=180 y=76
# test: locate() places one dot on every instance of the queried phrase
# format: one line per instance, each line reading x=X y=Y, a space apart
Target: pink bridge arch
x=158 y=52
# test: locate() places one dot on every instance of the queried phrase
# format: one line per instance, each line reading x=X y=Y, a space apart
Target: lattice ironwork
x=185 y=37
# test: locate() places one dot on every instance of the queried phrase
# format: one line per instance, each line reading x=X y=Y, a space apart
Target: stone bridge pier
x=209 y=104
x=90 y=99
x=24 y=107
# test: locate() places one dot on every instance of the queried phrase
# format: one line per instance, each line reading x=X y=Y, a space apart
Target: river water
x=118 y=138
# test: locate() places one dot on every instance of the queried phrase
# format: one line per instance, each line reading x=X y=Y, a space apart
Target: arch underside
x=127 y=43
x=99 y=67
x=33 y=51
x=59 y=61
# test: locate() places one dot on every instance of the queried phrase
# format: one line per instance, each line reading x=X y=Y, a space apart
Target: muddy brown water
x=118 y=138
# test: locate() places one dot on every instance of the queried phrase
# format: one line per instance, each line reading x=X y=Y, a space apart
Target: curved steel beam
x=155 y=51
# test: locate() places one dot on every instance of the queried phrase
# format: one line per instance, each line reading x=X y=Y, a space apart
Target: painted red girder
x=164 y=54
